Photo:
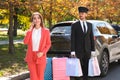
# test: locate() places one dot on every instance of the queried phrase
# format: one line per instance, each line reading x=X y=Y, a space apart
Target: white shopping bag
x=73 y=67
x=93 y=68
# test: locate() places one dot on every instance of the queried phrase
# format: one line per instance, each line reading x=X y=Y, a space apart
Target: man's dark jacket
x=82 y=43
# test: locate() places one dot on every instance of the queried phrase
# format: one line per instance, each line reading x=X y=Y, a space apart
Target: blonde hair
x=37 y=13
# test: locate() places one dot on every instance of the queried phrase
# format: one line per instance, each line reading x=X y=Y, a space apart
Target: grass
x=12 y=63
x=4 y=36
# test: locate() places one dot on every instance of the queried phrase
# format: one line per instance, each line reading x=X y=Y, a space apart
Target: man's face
x=82 y=15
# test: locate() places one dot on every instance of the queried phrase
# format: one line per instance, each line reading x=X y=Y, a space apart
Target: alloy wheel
x=104 y=65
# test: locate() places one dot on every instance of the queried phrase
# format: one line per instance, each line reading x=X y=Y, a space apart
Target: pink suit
x=37 y=65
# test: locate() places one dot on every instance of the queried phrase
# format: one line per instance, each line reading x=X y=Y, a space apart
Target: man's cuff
x=93 y=52
x=73 y=53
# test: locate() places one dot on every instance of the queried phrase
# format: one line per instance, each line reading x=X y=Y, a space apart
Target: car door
x=108 y=39
x=114 y=43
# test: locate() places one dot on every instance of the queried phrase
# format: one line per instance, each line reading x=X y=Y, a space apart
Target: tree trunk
x=50 y=17
x=15 y=25
x=15 y=21
x=11 y=45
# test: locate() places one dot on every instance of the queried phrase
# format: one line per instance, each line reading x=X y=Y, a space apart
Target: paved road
x=7 y=42
x=113 y=74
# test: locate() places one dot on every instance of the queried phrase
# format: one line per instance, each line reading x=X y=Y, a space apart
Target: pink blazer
x=45 y=44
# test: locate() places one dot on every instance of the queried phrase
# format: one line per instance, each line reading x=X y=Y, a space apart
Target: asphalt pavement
x=7 y=42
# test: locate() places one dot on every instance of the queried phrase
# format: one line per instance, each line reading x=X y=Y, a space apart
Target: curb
x=21 y=76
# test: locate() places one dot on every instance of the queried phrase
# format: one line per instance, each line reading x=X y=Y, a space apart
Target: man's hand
x=40 y=54
x=93 y=54
x=73 y=55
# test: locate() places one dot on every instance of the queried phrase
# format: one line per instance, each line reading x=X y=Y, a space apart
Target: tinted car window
x=61 y=30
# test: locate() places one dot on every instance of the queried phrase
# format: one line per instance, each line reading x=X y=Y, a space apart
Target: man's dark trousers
x=84 y=64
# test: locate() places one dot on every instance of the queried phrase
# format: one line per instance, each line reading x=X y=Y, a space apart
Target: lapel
x=88 y=28
x=79 y=25
x=41 y=40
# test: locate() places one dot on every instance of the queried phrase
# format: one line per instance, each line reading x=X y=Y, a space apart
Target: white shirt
x=36 y=37
x=81 y=22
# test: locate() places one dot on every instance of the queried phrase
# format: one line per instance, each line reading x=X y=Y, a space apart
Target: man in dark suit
x=82 y=41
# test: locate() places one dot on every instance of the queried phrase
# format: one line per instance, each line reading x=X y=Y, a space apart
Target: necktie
x=84 y=27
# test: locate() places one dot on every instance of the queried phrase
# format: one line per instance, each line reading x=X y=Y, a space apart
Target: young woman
x=38 y=43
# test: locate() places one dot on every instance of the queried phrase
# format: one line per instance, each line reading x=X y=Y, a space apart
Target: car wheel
x=104 y=64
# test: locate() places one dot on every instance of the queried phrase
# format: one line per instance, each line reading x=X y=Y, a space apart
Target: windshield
x=61 y=30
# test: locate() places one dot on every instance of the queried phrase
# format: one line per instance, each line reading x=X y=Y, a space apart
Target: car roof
x=65 y=22
x=68 y=23
x=91 y=21
x=95 y=21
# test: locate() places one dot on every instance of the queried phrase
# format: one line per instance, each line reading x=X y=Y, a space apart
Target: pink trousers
x=36 y=70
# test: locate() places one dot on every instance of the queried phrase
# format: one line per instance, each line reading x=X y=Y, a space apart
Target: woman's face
x=36 y=19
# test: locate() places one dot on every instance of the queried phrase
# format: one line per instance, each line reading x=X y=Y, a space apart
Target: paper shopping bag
x=73 y=67
x=48 y=70
x=93 y=68
x=59 y=69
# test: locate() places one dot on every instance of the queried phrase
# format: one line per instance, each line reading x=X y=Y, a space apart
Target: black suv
x=107 y=42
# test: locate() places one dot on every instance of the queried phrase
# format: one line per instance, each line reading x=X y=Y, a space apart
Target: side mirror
x=114 y=37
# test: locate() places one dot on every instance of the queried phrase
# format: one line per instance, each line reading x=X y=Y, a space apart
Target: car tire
x=104 y=64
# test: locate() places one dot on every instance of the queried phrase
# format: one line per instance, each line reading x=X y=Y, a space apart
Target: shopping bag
x=59 y=69
x=48 y=70
x=73 y=67
x=93 y=68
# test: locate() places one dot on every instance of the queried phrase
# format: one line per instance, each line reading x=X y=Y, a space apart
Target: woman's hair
x=37 y=13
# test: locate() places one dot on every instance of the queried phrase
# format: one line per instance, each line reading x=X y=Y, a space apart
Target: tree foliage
x=58 y=10
x=54 y=11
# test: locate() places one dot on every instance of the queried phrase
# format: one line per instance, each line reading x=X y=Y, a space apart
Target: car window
x=62 y=29
x=105 y=28
x=112 y=31
x=116 y=27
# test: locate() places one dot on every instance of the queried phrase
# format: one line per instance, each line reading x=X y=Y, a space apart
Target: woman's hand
x=40 y=54
x=32 y=25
